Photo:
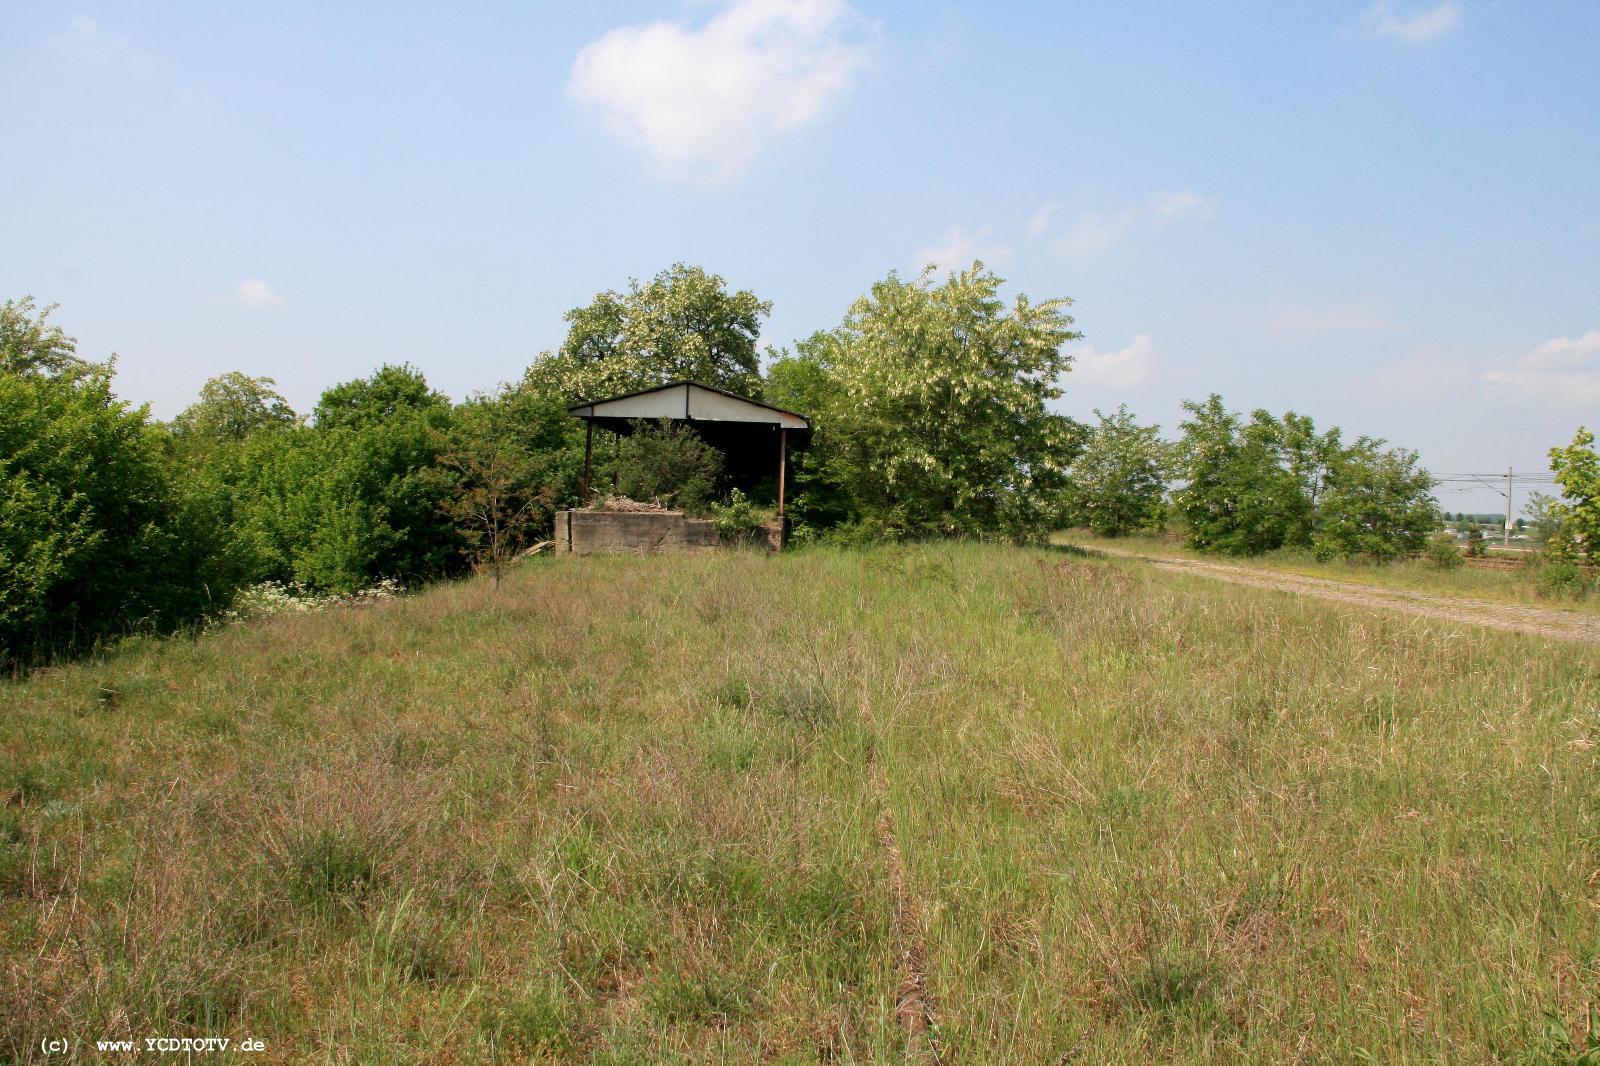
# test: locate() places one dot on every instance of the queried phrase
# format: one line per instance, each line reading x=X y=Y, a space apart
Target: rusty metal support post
x=783 y=465
x=588 y=456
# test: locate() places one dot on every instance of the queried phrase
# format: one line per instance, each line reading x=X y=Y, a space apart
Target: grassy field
x=1416 y=575
x=795 y=809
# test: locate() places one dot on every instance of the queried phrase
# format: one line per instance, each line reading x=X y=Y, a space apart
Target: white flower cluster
x=276 y=597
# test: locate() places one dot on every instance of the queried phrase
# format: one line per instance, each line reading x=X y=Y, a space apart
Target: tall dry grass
x=679 y=809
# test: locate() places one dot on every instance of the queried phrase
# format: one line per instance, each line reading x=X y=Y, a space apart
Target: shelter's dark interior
x=749 y=451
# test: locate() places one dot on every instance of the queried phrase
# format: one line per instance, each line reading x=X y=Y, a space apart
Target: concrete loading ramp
x=654 y=532
x=589 y=532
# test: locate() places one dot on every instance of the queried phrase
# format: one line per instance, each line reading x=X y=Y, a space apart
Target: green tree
x=1286 y=465
x=29 y=344
x=99 y=532
x=683 y=325
x=1238 y=497
x=1543 y=517
x=1377 y=502
x=1577 y=471
x=356 y=496
x=939 y=417
x=1475 y=542
x=209 y=465
x=1311 y=459
x=1118 y=479
x=502 y=458
x=804 y=382
x=1251 y=487
x=88 y=540
x=232 y=406
x=390 y=392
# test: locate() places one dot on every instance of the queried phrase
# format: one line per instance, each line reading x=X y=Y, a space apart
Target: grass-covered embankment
x=651 y=810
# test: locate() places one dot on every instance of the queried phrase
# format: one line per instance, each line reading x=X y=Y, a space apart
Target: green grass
x=633 y=810
x=1414 y=575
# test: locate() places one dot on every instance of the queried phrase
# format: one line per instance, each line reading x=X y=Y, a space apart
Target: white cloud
x=86 y=41
x=253 y=292
x=1171 y=206
x=1564 y=371
x=1124 y=368
x=1042 y=218
x=1091 y=232
x=1417 y=28
x=1355 y=317
x=960 y=247
x=702 y=103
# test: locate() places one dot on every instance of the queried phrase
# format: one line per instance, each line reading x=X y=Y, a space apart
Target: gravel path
x=1561 y=625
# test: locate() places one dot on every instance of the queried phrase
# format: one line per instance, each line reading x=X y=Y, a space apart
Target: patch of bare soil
x=1559 y=625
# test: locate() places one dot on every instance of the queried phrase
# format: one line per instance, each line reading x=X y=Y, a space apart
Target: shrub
x=1577 y=472
x=90 y=542
x=670 y=464
x=1442 y=551
x=1562 y=580
x=737 y=520
x=1475 y=541
x=1119 y=478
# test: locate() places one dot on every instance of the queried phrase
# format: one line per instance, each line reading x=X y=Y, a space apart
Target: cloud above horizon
x=253 y=292
x=86 y=41
x=702 y=103
x=1563 y=371
x=960 y=246
x=1092 y=232
x=1417 y=28
x=1124 y=368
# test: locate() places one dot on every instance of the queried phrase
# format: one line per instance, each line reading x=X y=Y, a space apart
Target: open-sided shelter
x=753 y=437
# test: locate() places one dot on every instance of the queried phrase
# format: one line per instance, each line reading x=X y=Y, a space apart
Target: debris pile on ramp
x=623 y=503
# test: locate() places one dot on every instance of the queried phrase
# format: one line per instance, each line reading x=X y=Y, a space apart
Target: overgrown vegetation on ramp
x=975 y=803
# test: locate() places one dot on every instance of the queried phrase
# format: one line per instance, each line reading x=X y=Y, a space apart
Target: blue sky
x=1382 y=215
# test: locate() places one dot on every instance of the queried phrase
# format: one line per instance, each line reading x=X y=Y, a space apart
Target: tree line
x=931 y=405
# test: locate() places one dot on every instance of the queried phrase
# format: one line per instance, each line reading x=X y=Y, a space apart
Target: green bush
x=738 y=520
x=356 y=497
x=91 y=542
x=670 y=464
x=1563 y=580
x=1442 y=550
x=1119 y=478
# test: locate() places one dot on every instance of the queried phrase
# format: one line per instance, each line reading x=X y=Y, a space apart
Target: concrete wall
x=632 y=532
x=639 y=533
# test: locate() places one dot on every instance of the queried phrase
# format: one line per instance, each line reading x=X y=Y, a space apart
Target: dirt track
x=1560 y=625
